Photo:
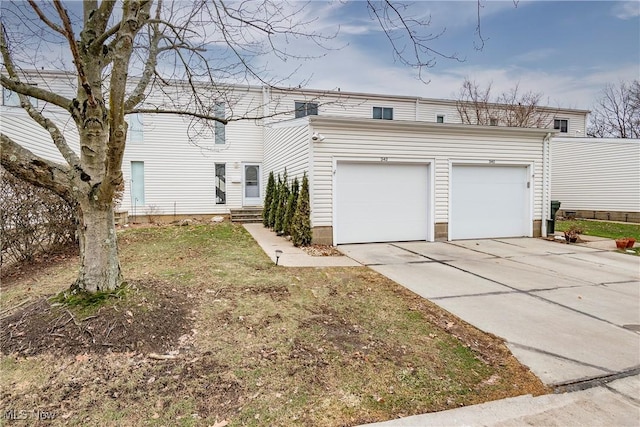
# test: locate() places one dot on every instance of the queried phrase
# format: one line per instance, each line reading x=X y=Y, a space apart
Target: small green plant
x=268 y=198
x=301 y=227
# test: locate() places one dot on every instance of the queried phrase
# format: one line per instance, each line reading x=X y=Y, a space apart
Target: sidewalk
x=292 y=256
x=613 y=404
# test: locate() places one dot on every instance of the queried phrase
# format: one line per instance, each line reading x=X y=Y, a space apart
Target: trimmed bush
x=283 y=196
x=291 y=207
x=301 y=227
x=273 y=209
x=271 y=188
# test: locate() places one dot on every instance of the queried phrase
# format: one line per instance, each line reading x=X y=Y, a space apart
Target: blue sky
x=567 y=50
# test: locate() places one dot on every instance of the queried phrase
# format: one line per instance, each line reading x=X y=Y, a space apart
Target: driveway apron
x=568 y=312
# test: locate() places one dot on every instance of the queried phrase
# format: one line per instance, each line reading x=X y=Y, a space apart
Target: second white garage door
x=381 y=202
x=489 y=201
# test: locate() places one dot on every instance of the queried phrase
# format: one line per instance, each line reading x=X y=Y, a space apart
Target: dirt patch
x=13 y=273
x=151 y=318
x=321 y=250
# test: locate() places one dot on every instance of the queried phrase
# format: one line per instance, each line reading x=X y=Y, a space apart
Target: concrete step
x=248 y=215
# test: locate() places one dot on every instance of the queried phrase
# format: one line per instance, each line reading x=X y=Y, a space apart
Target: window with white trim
x=303 y=109
x=383 y=113
x=440 y=118
x=219 y=127
x=136 y=128
x=562 y=125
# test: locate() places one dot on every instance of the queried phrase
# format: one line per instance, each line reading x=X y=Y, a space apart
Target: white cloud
x=626 y=10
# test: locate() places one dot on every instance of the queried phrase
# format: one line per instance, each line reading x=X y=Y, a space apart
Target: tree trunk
x=99 y=262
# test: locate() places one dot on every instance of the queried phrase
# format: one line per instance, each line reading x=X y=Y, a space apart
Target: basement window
x=384 y=113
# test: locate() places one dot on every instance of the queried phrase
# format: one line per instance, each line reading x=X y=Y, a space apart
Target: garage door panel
x=489 y=202
x=381 y=202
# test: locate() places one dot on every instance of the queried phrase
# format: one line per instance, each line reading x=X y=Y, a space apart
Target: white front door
x=251 y=185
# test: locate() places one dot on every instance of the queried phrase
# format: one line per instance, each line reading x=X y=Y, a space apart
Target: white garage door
x=381 y=202
x=489 y=201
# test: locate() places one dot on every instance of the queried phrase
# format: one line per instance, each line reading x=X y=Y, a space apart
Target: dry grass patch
x=251 y=343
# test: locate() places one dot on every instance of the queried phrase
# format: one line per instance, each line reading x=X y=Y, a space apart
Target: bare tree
x=512 y=108
x=146 y=56
x=617 y=113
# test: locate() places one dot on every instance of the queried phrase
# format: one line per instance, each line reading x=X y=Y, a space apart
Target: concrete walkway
x=292 y=256
x=614 y=404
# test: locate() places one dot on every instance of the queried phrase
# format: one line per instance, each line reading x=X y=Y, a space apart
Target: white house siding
x=286 y=145
x=179 y=171
x=428 y=111
x=372 y=140
x=589 y=174
x=16 y=123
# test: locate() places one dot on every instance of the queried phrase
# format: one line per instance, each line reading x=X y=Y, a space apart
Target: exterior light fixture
x=317 y=137
x=278 y=253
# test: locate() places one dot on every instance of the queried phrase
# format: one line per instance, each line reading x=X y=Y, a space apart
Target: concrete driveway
x=570 y=313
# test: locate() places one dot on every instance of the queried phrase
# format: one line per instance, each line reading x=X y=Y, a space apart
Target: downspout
x=546 y=182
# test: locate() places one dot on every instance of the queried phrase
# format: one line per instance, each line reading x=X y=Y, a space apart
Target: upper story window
x=11 y=99
x=440 y=118
x=562 y=125
x=306 y=109
x=493 y=121
x=136 y=128
x=219 y=128
x=384 y=113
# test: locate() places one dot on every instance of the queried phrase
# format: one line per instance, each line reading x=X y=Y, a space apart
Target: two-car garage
x=385 y=202
x=392 y=180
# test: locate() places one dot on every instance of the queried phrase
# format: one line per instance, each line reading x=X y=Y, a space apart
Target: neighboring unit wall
x=594 y=176
x=286 y=145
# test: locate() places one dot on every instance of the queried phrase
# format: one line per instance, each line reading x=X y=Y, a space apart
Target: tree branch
x=150 y=65
x=55 y=27
x=29 y=167
x=73 y=46
x=179 y=113
x=23 y=90
x=35 y=92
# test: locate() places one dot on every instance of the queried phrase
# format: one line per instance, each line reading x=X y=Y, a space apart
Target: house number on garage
x=384 y=159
